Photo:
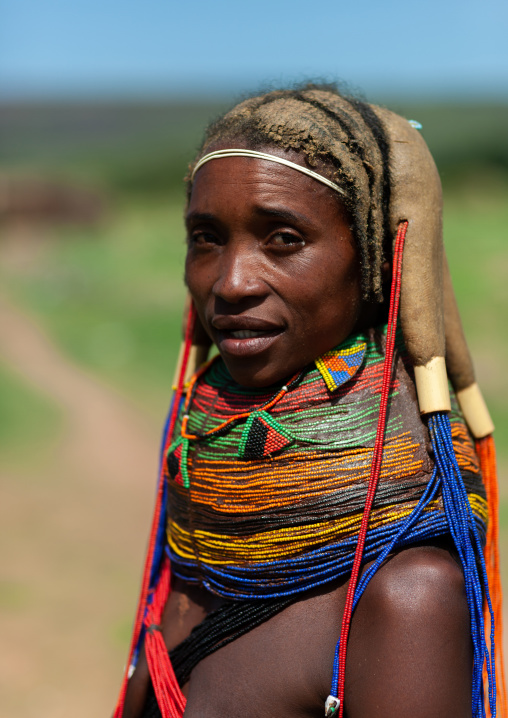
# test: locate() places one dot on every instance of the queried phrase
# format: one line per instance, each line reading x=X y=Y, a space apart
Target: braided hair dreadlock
x=341 y=134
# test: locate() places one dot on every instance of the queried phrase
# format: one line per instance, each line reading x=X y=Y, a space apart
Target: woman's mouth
x=236 y=340
x=246 y=334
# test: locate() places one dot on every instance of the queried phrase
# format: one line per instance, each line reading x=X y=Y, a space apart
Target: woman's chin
x=254 y=374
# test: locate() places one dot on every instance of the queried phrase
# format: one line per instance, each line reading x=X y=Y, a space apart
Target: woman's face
x=271 y=265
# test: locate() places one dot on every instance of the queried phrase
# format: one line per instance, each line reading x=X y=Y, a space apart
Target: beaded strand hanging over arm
x=336 y=702
x=486 y=450
x=462 y=526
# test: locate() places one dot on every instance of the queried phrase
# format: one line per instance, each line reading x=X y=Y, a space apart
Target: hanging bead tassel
x=170 y=699
x=462 y=526
x=465 y=535
x=154 y=551
x=486 y=450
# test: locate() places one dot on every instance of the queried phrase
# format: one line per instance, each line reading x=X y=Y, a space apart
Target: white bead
x=331 y=706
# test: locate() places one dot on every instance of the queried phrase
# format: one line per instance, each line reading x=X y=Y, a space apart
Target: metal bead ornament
x=332 y=705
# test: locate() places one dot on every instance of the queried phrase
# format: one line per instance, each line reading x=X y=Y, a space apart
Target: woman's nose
x=240 y=276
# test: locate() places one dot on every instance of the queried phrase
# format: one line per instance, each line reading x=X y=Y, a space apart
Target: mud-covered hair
x=342 y=135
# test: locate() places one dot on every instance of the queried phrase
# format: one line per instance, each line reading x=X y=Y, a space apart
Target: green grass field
x=475 y=227
x=112 y=296
x=29 y=421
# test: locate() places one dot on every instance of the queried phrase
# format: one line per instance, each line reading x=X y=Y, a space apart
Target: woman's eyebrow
x=199 y=217
x=282 y=213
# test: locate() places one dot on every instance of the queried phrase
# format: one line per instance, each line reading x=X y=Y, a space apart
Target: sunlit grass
x=112 y=296
x=476 y=238
x=29 y=421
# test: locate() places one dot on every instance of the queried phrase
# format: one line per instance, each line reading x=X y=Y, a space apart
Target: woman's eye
x=284 y=239
x=203 y=238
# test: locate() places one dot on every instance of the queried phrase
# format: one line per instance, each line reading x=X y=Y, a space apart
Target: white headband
x=263 y=156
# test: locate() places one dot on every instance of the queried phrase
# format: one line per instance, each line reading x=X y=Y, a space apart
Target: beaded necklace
x=179 y=451
x=228 y=423
x=253 y=521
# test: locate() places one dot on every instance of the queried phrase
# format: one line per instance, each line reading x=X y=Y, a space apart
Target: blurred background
x=102 y=105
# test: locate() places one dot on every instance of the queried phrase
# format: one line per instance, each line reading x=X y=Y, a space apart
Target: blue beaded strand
x=159 y=551
x=428 y=495
x=305 y=572
x=467 y=541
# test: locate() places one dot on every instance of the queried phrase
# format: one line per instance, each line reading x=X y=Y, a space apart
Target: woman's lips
x=246 y=334
x=245 y=342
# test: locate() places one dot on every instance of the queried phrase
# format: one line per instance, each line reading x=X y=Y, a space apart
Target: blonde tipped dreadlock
x=342 y=135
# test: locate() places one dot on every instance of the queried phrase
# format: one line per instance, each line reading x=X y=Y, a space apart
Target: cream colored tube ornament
x=460 y=366
x=416 y=197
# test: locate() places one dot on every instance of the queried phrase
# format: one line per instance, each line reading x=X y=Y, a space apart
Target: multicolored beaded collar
x=262 y=435
x=266 y=488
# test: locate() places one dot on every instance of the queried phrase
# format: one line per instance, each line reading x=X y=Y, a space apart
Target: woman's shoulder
x=410 y=646
x=417 y=578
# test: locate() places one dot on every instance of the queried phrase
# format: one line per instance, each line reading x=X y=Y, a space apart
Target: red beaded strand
x=486 y=450
x=169 y=696
x=377 y=458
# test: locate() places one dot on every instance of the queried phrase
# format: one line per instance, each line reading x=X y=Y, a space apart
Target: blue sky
x=161 y=47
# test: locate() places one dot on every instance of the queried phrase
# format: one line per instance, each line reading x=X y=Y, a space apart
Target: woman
x=297 y=473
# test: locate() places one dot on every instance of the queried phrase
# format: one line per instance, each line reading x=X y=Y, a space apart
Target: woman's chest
x=282 y=667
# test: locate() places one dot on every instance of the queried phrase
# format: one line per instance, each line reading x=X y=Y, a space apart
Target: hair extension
x=343 y=137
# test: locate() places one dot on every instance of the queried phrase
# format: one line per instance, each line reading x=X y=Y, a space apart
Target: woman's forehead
x=297 y=157
x=256 y=182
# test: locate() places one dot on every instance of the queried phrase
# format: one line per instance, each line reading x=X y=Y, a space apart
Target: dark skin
x=274 y=274
x=271 y=251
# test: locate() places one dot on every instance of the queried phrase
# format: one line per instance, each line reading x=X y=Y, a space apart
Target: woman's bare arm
x=410 y=651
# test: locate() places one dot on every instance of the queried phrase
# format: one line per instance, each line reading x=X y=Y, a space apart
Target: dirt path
x=73 y=534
